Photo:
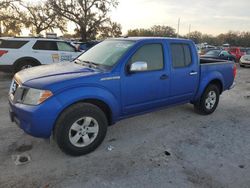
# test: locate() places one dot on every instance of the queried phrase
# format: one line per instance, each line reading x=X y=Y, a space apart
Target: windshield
x=225 y=53
x=106 y=53
x=213 y=52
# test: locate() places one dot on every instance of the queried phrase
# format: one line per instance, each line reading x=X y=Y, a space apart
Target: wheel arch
x=97 y=102
x=215 y=79
x=26 y=59
x=218 y=83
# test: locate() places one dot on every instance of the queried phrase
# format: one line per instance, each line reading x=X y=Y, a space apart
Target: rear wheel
x=208 y=101
x=80 y=129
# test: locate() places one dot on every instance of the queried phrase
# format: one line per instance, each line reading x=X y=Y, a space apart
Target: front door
x=144 y=90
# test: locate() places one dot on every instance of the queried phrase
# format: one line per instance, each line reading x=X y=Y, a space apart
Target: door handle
x=193 y=73
x=164 y=77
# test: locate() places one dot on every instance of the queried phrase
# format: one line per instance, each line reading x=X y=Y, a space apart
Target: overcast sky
x=208 y=16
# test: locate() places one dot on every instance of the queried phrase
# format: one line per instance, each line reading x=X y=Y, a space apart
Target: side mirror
x=222 y=55
x=138 y=66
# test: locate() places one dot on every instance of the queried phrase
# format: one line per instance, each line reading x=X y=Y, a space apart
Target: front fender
x=215 y=75
x=74 y=95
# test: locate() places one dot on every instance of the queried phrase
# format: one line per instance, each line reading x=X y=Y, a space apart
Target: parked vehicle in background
x=237 y=52
x=219 y=54
x=114 y=80
x=245 y=59
x=208 y=48
x=20 y=53
x=84 y=46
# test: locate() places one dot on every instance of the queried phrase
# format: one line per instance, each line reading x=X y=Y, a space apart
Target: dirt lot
x=169 y=148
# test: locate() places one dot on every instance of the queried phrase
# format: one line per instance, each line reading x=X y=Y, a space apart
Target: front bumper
x=37 y=121
x=244 y=63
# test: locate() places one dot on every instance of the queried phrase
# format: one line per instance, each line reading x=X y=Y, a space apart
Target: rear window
x=63 y=46
x=181 y=55
x=12 y=44
x=45 y=45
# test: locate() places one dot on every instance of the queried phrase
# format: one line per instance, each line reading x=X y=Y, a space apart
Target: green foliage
x=111 y=29
x=231 y=37
x=196 y=36
x=156 y=31
x=41 y=17
x=90 y=16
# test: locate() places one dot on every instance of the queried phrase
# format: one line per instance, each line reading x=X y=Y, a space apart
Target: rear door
x=46 y=51
x=184 y=72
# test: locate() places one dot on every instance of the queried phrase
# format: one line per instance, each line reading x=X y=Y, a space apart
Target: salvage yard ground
x=170 y=148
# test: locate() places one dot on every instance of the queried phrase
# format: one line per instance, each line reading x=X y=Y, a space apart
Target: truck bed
x=218 y=68
x=208 y=60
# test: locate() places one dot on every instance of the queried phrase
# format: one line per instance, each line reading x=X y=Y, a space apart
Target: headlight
x=35 y=96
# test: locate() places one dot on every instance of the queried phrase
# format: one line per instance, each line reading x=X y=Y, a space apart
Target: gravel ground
x=168 y=148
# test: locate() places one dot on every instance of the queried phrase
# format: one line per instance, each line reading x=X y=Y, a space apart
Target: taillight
x=235 y=70
x=2 y=52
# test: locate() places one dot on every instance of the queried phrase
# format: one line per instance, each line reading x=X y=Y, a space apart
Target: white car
x=20 y=53
x=245 y=59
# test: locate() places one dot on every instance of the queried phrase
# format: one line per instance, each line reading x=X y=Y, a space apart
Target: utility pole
x=189 y=31
x=178 y=29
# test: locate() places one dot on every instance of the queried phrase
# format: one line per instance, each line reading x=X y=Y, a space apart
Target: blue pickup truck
x=118 y=78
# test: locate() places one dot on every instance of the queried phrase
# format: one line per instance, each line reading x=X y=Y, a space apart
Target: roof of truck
x=149 y=38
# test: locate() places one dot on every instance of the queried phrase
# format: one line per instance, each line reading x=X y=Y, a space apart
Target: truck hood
x=62 y=70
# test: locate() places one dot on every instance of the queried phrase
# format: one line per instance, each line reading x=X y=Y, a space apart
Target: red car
x=237 y=52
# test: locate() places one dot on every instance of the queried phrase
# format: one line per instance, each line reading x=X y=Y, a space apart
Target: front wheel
x=208 y=101
x=80 y=129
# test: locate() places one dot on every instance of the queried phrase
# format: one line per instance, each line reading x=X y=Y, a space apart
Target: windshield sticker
x=122 y=45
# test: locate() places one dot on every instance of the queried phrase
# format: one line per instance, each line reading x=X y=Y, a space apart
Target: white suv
x=21 y=53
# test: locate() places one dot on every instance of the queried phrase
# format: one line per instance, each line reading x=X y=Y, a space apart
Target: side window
x=63 y=46
x=12 y=44
x=45 y=45
x=181 y=55
x=150 y=53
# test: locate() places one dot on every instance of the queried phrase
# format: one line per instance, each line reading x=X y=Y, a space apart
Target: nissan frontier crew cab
x=118 y=78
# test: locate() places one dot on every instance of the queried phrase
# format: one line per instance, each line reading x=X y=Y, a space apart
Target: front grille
x=13 y=88
x=16 y=91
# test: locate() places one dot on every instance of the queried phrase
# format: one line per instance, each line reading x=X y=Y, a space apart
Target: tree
x=140 y=32
x=41 y=17
x=7 y=3
x=157 y=31
x=163 y=31
x=112 y=29
x=10 y=21
x=88 y=15
x=196 y=36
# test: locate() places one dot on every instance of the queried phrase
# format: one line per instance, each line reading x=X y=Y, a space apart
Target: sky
x=208 y=16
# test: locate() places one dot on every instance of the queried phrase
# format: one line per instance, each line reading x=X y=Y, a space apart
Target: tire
x=25 y=64
x=208 y=101
x=80 y=129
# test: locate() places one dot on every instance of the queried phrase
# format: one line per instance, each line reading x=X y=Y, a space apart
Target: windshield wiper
x=88 y=63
